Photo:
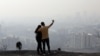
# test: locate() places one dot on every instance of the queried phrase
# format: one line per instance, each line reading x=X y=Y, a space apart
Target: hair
x=42 y=23
x=39 y=26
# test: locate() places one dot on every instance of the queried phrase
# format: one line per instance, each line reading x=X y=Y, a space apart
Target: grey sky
x=66 y=13
x=11 y=10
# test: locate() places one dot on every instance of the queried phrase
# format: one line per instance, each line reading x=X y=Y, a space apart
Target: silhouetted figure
x=38 y=39
x=19 y=45
x=59 y=49
x=45 y=36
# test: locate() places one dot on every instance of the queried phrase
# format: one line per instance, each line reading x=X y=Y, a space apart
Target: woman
x=38 y=39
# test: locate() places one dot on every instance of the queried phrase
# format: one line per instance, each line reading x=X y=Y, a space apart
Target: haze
x=19 y=10
x=75 y=21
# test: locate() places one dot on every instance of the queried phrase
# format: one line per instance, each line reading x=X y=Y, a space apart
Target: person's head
x=39 y=26
x=42 y=23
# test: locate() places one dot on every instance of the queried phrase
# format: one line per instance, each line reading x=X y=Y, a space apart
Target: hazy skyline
x=13 y=10
x=70 y=17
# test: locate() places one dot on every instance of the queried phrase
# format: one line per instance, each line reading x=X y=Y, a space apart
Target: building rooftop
x=53 y=53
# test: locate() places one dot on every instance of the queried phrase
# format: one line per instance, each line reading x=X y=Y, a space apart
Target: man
x=45 y=35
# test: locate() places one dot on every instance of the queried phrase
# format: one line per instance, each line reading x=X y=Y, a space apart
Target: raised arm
x=51 y=24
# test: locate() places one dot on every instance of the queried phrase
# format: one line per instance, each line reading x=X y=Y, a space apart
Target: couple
x=42 y=37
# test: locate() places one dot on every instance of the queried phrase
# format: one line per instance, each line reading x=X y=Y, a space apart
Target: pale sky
x=45 y=8
x=27 y=12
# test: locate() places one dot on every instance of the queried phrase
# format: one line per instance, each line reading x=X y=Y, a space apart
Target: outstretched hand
x=52 y=20
x=51 y=23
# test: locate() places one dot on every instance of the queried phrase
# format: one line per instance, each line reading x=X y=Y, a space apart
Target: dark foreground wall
x=53 y=53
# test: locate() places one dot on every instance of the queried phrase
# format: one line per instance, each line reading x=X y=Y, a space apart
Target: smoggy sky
x=13 y=10
x=66 y=14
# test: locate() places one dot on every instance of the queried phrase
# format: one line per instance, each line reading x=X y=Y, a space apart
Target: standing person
x=19 y=45
x=38 y=39
x=45 y=36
